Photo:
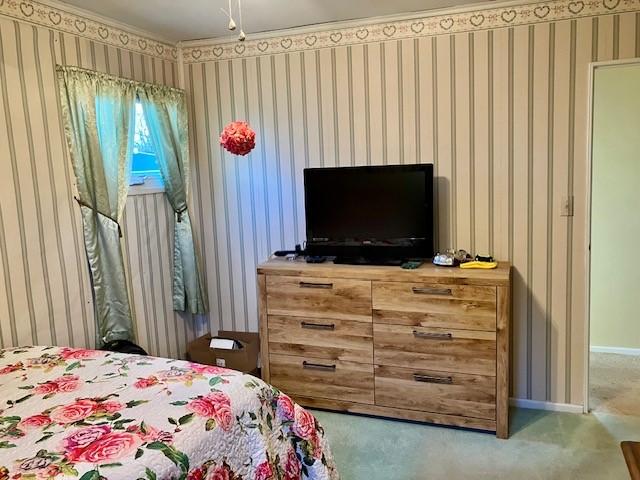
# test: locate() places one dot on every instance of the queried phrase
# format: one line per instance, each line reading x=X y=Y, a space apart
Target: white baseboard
x=618 y=350
x=550 y=406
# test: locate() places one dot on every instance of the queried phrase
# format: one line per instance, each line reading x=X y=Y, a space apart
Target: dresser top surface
x=426 y=272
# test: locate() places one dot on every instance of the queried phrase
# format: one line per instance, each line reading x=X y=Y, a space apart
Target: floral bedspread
x=89 y=415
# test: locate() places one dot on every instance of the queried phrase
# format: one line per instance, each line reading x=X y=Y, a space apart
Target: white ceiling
x=194 y=19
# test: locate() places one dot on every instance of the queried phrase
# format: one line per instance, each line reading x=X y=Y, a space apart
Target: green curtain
x=99 y=116
x=166 y=115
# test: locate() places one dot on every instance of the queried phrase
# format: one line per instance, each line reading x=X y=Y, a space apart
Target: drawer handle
x=432 y=291
x=318 y=326
x=432 y=379
x=327 y=286
x=433 y=336
x=318 y=366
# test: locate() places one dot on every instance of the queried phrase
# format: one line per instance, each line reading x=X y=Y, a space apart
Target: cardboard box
x=244 y=360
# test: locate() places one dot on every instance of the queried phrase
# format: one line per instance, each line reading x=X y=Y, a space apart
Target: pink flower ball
x=238 y=138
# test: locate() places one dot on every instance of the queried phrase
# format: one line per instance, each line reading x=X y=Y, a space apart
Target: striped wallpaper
x=501 y=112
x=43 y=265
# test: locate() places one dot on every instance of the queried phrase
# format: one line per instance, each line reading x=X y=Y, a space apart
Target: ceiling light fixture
x=232 y=23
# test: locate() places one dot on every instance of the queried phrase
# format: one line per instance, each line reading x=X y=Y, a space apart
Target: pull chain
x=242 y=35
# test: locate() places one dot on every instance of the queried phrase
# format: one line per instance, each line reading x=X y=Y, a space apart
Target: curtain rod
x=108 y=76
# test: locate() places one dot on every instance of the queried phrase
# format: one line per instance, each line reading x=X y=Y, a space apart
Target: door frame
x=588 y=207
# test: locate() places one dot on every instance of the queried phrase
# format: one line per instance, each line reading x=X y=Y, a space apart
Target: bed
x=69 y=413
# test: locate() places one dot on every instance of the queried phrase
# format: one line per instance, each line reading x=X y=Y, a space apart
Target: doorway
x=614 y=301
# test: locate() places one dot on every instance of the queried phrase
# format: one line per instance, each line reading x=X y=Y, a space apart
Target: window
x=145 y=173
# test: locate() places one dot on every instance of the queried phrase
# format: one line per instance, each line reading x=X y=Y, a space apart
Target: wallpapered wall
x=496 y=99
x=43 y=264
x=501 y=112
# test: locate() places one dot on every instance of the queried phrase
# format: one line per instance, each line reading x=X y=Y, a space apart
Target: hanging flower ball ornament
x=238 y=138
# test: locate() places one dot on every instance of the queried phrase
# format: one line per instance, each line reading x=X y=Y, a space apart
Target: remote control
x=283 y=253
x=315 y=259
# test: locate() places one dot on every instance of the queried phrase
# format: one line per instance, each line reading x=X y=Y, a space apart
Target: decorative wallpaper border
x=430 y=25
x=59 y=19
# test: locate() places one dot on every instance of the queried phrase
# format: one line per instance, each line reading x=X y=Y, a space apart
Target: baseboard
x=550 y=406
x=618 y=350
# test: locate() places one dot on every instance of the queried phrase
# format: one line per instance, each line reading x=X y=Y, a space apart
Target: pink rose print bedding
x=89 y=415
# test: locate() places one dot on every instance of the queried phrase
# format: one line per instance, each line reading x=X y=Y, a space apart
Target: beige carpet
x=615 y=384
x=543 y=446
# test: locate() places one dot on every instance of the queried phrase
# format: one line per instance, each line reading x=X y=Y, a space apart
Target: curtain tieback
x=84 y=204
x=180 y=212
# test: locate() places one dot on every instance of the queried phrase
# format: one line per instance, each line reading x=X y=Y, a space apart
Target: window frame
x=146 y=182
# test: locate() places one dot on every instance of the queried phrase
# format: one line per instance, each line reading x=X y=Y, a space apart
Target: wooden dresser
x=430 y=344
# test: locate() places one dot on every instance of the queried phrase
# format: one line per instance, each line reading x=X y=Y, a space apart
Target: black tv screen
x=370 y=213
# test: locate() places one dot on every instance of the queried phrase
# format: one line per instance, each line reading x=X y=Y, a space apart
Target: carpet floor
x=543 y=445
x=614 y=383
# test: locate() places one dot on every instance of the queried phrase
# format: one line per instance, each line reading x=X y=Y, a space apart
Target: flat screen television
x=371 y=215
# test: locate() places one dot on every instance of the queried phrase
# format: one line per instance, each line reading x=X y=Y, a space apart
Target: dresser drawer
x=319 y=297
x=321 y=338
x=319 y=377
x=437 y=392
x=434 y=305
x=462 y=351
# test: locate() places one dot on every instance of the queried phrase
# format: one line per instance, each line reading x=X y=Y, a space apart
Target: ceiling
x=195 y=19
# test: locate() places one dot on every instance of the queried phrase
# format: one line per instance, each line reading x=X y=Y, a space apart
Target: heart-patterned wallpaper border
x=193 y=52
x=59 y=19
x=430 y=25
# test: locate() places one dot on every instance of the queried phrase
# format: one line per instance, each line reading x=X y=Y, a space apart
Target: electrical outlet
x=566 y=208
